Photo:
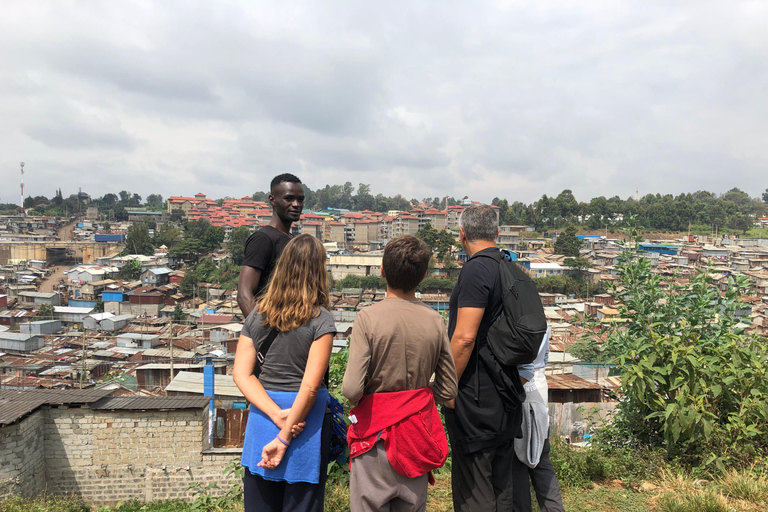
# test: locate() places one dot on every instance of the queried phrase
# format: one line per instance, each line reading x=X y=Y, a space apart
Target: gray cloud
x=508 y=99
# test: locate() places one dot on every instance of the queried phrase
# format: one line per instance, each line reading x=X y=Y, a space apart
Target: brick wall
x=22 y=457
x=110 y=456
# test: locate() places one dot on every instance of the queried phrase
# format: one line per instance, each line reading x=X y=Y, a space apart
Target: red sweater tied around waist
x=410 y=426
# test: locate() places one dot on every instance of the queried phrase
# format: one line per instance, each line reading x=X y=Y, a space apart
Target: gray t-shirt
x=286 y=360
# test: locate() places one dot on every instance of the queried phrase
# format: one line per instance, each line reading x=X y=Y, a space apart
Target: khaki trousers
x=374 y=486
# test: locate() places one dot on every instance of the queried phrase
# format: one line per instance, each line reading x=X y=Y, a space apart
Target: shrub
x=580 y=467
x=694 y=382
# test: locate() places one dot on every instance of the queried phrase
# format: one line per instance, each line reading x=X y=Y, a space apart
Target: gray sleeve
x=526 y=371
x=249 y=329
x=323 y=324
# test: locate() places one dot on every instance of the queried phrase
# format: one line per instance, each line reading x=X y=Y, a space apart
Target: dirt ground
x=65 y=232
x=50 y=283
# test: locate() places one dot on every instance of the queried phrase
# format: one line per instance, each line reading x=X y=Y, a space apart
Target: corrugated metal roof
x=70 y=309
x=151 y=403
x=101 y=316
x=16 y=336
x=39 y=295
x=12 y=410
x=570 y=381
x=15 y=404
x=192 y=382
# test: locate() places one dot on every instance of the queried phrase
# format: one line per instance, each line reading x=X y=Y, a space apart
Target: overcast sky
x=513 y=99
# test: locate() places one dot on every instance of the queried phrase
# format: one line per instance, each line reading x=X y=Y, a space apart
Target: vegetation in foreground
x=660 y=489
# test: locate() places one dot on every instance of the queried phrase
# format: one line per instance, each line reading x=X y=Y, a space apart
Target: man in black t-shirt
x=481 y=425
x=286 y=195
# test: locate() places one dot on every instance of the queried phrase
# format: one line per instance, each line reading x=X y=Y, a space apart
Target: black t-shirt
x=480 y=412
x=478 y=286
x=261 y=252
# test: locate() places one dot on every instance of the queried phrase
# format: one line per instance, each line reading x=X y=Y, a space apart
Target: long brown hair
x=298 y=287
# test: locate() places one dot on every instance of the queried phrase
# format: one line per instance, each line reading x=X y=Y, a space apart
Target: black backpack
x=515 y=335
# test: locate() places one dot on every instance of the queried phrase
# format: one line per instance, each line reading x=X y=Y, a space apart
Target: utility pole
x=82 y=373
x=22 y=189
x=172 y=329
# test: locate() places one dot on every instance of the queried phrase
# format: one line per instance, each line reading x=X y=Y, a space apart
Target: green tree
x=579 y=264
x=369 y=282
x=45 y=312
x=740 y=222
x=567 y=243
x=190 y=248
x=131 y=270
x=436 y=284
x=348 y=281
x=107 y=227
x=213 y=237
x=108 y=200
x=155 y=203
x=587 y=350
x=196 y=228
x=168 y=235
x=439 y=242
x=178 y=313
x=237 y=239
x=137 y=239
x=188 y=283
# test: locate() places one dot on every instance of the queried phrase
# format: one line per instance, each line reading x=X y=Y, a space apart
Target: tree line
x=700 y=211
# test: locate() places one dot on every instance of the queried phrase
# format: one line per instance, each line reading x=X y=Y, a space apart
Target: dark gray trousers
x=544 y=485
x=481 y=481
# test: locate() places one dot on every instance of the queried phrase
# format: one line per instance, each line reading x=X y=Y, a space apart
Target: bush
x=580 y=467
x=694 y=382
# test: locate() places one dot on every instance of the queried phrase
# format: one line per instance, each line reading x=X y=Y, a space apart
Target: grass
x=741 y=486
x=592 y=480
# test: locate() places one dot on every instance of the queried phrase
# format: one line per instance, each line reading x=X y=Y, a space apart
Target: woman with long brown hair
x=285 y=451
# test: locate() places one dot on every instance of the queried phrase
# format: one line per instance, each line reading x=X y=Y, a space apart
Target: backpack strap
x=497 y=257
x=263 y=349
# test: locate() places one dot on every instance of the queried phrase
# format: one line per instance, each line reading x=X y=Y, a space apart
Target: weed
x=579 y=467
x=43 y=504
x=743 y=486
x=693 y=501
x=208 y=500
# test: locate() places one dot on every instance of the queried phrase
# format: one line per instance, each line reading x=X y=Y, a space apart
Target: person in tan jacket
x=397 y=345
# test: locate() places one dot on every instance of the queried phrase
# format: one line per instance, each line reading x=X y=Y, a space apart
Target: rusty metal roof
x=570 y=381
x=15 y=404
x=132 y=403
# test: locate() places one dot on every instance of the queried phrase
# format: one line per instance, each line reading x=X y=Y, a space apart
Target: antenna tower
x=637 y=194
x=22 y=189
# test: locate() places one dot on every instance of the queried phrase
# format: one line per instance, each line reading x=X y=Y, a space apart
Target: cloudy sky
x=513 y=99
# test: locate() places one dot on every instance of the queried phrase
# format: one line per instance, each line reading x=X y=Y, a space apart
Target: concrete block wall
x=145 y=309
x=117 y=308
x=22 y=457
x=105 y=457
